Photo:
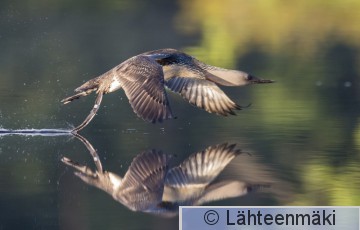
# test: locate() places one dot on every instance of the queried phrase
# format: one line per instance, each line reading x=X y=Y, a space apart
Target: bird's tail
x=84 y=90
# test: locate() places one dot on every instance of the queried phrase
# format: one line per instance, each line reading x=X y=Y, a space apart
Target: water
x=301 y=135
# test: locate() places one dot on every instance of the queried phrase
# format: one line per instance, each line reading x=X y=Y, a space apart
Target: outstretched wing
x=202 y=167
x=142 y=79
x=203 y=94
x=190 y=78
x=189 y=180
x=143 y=184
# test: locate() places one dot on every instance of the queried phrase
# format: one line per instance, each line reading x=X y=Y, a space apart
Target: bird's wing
x=203 y=167
x=142 y=79
x=187 y=182
x=204 y=94
x=143 y=184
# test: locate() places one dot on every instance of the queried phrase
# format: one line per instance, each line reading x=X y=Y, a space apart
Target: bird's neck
x=226 y=77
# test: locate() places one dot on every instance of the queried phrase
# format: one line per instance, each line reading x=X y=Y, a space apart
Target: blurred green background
x=303 y=132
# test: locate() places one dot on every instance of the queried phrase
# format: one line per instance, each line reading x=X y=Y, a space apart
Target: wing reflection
x=151 y=185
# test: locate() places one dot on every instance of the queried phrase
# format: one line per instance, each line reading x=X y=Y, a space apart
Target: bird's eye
x=249 y=77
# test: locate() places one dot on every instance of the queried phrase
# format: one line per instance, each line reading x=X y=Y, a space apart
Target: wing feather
x=203 y=167
x=142 y=79
x=143 y=184
x=203 y=94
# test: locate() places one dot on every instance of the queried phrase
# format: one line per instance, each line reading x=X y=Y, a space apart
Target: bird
x=144 y=78
x=151 y=185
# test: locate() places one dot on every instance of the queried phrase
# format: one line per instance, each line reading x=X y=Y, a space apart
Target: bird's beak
x=256 y=80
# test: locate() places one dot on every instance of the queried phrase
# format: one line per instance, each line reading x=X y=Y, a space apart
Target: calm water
x=302 y=134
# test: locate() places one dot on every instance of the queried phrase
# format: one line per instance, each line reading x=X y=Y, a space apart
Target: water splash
x=35 y=132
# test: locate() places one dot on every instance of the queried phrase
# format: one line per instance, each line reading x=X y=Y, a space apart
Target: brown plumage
x=145 y=76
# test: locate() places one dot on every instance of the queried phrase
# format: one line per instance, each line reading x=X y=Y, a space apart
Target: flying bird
x=144 y=78
x=150 y=185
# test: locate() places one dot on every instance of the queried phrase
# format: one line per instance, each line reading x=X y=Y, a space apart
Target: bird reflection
x=151 y=185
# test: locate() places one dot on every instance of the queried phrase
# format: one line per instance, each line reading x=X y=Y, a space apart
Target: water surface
x=302 y=133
